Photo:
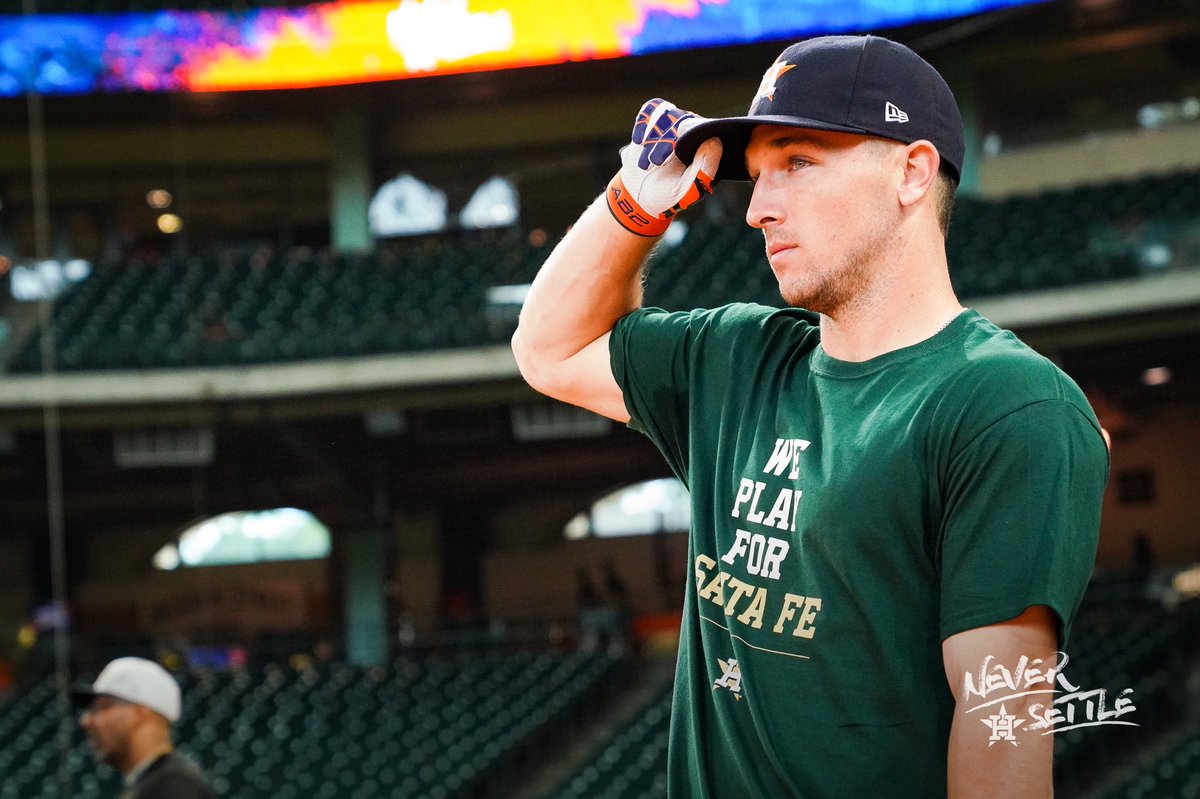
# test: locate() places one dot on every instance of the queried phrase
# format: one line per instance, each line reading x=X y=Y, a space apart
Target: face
x=827 y=208
x=109 y=723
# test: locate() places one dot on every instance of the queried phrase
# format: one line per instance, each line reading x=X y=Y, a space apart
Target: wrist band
x=629 y=214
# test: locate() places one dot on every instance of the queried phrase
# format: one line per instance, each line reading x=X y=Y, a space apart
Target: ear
x=920 y=171
x=147 y=716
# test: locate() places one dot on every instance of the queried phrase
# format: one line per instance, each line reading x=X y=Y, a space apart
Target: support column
x=350 y=181
x=957 y=68
x=365 y=608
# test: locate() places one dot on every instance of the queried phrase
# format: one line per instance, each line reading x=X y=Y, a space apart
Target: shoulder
x=995 y=374
x=727 y=321
x=174 y=776
x=996 y=360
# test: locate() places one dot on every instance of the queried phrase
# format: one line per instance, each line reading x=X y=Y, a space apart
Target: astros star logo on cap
x=767 y=87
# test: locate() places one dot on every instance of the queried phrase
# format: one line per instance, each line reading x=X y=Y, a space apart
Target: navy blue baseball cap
x=853 y=84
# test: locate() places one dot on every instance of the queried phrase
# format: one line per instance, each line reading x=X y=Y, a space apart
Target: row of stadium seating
x=430 y=727
x=1174 y=775
x=431 y=293
x=267 y=308
x=1124 y=639
x=446 y=726
x=633 y=764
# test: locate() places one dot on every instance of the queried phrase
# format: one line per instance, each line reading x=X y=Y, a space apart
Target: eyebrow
x=783 y=142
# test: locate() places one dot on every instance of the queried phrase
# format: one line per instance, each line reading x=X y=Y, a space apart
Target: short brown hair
x=945 y=187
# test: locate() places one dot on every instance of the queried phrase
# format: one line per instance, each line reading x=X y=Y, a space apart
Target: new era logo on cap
x=893 y=114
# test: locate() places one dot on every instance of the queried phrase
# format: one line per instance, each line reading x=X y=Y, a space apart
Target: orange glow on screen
x=351 y=42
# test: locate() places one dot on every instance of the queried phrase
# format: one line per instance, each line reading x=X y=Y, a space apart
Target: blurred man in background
x=127 y=716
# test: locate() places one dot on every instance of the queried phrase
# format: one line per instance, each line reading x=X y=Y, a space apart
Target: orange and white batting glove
x=653 y=184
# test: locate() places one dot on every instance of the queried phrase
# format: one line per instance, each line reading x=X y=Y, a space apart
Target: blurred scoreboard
x=357 y=41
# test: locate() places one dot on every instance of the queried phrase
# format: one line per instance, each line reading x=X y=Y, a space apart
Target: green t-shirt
x=846 y=518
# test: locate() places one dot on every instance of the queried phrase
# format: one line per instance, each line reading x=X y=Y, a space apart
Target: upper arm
x=1034 y=633
x=1010 y=760
x=1021 y=518
x=1016 y=547
x=584 y=379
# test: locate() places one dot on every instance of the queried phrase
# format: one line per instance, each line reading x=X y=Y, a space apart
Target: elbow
x=545 y=373
x=520 y=351
x=530 y=368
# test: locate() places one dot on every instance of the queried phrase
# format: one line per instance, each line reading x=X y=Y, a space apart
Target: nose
x=764 y=209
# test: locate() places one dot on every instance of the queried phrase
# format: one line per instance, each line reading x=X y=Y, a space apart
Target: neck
x=143 y=747
x=909 y=300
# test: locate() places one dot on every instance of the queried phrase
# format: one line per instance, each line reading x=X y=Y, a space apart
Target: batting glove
x=653 y=184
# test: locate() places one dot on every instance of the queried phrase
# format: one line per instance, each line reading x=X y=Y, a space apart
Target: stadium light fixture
x=1156 y=376
x=46 y=279
x=169 y=223
x=159 y=199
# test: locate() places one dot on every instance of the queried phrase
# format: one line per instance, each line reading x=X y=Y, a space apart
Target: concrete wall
x=1099 y=158
x=540 y=582
x=1165 y=443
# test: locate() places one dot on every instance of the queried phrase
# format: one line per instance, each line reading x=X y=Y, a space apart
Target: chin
x=789 y=291
x=814 y=295
x=795 y=298
x=99 y=753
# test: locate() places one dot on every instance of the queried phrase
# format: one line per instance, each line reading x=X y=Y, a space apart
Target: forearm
x=591 y=279
x=594 y=276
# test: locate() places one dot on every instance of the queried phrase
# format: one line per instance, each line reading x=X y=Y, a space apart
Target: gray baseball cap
x=142 y=682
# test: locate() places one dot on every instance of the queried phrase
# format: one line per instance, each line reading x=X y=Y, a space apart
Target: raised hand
x=653 y=185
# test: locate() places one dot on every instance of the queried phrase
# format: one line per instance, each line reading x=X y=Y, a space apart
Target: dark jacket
x=170 y=777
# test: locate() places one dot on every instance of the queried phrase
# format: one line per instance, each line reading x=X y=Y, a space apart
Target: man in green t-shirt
x=888 y=492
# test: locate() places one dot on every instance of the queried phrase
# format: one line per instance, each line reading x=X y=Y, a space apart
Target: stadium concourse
x=201 y=338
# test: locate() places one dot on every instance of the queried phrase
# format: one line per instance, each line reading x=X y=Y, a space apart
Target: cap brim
x=82 y=696
x=734 y=133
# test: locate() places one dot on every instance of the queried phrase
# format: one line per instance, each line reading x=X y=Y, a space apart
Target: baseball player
x=127 y=716
x=888 y=491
